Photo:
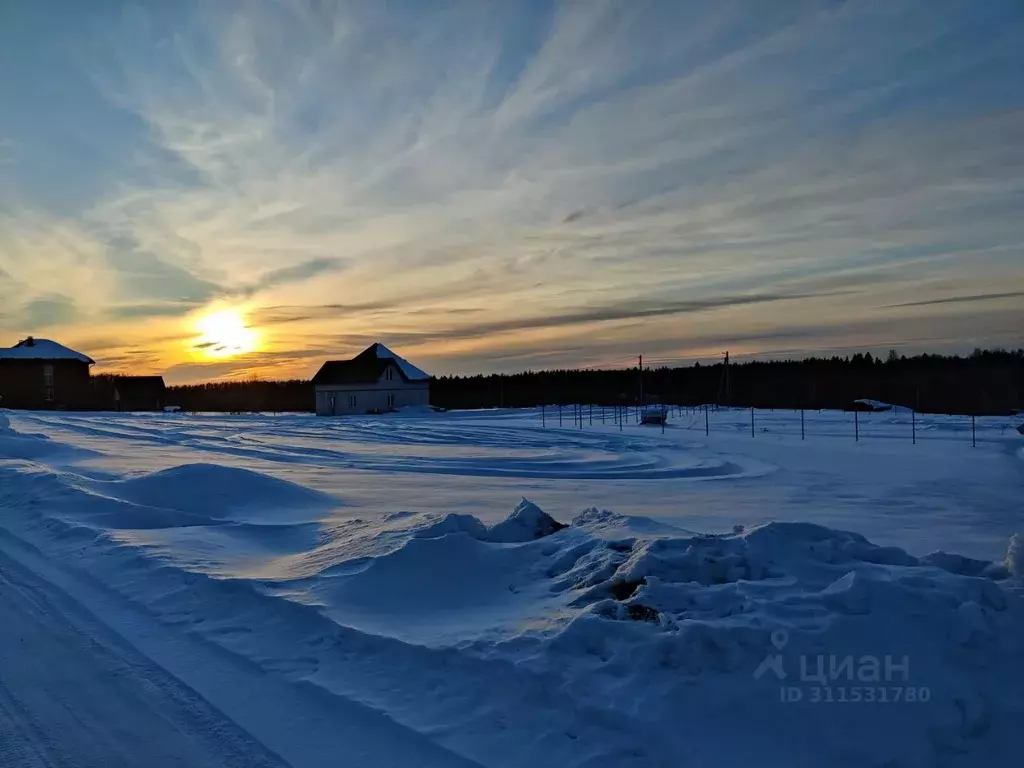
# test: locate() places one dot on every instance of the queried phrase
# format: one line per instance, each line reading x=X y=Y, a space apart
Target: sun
x=226 y=334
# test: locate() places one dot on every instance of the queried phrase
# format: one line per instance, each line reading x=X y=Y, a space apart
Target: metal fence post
x=751 y=421
x=801 y=423
x=974 y=437
x=913 y=425
x=543 y=416
x=707 y=426
x=856 y=426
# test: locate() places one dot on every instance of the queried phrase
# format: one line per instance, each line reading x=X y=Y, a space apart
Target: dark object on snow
x=639 y=612
x=865 y=405
x=623 y=590
x=1020 y=428
x=654 y=414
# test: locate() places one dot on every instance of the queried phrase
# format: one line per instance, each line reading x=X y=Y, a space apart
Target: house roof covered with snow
x=367 y=367
x=42 y=349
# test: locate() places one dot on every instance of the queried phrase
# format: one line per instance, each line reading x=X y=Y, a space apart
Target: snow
x=42 y=349
x=410 y=371
x=1015 y=556
x=280 y=590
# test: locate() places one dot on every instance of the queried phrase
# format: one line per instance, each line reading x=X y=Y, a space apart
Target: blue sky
x=497 y=186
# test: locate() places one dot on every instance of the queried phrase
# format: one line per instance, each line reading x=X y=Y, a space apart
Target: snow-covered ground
x=284 y=590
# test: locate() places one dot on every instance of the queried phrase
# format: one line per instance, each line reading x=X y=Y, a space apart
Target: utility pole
x=641 y=380
x=728 y=399
x=723 y=386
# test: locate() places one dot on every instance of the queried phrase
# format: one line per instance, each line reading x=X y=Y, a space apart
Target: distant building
x=866 y=405
x=41 y=374
x=374 y=381
x=129 y=393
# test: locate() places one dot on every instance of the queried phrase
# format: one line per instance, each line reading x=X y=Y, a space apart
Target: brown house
x=41 y=374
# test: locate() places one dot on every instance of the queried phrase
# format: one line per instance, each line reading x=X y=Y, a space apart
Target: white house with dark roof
x=374 y=381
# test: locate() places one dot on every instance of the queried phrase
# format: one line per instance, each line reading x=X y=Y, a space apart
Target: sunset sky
x=216 y=189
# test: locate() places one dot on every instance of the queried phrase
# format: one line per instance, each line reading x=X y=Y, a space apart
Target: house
x=41 y=374
x=129 y=393
x=374 y=381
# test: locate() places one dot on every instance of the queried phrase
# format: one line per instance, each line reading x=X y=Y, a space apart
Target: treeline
x=244 y=396
x=986 y=382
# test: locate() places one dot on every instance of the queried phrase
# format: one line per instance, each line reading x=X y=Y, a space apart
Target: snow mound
x=690 y=629
x=527 y=522
x=605 y=522
x=436 y=591
x=967 y=566
x=215 y=491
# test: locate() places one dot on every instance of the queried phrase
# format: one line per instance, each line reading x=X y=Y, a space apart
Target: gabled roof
x=409 y=371
x=42 y=349
x=367 y=367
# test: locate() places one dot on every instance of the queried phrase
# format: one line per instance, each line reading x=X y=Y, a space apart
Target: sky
x=225 y=189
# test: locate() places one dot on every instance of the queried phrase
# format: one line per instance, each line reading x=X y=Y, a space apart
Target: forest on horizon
x=986 y=382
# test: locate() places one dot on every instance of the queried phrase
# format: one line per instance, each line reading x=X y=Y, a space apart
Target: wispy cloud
x=961 y=299
x=486 y=181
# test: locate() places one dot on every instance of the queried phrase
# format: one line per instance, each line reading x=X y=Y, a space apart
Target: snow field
x=603 y=639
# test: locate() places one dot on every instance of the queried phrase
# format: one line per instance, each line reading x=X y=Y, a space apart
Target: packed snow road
x=283 y=590
x=90 y=679
x=74 y=693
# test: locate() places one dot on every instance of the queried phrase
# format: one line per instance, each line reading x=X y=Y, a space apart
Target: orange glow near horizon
x=225 y=334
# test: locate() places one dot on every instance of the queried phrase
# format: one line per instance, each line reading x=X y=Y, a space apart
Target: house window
x=49 y=394
x=48 y=375
x=388 y=374
x=391 y=401
x=351 y=401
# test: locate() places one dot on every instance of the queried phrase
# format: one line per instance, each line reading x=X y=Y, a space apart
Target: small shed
x=374 y=381
x=130 y=393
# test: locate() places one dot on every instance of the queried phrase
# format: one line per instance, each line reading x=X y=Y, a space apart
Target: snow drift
x=613 y=640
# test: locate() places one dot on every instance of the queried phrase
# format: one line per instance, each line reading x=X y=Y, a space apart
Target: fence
x=858 y=426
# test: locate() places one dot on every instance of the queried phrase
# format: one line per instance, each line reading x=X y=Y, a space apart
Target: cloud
x=49 y=310
x=146 y=275
x=296 y=273
x=961 y=299
x=163 y=309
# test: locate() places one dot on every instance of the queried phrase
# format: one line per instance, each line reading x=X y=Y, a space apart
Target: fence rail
x=859 y=426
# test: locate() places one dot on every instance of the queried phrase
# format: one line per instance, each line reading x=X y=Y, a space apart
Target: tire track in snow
x=423 y=446
x=72 y=693
x=88 y=679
